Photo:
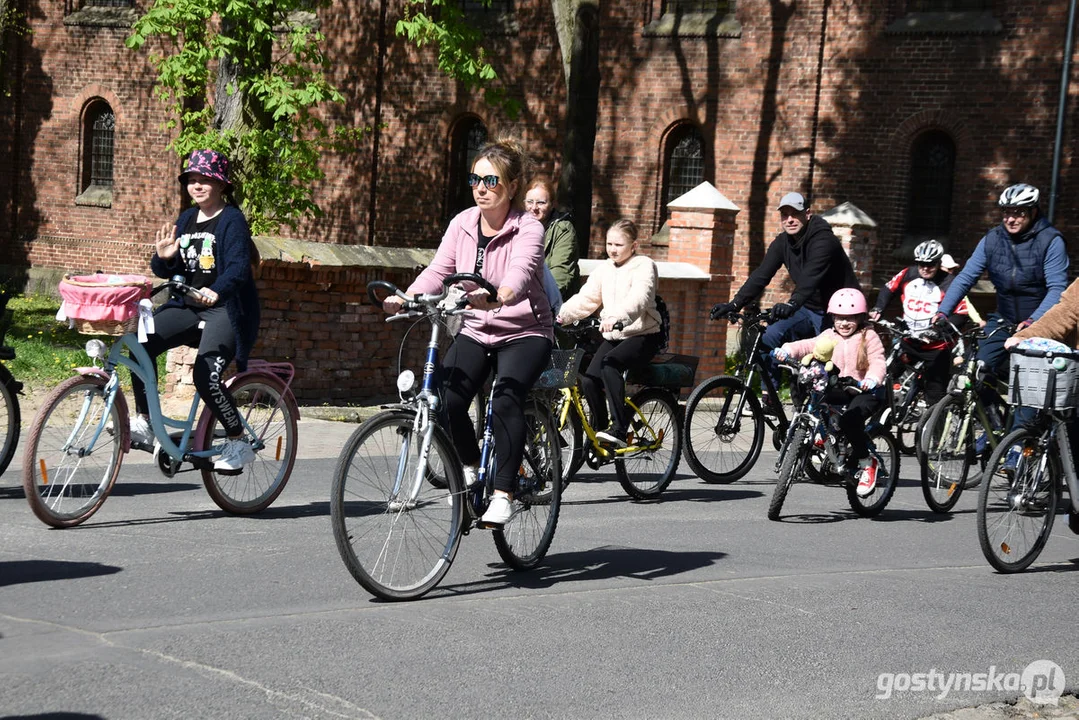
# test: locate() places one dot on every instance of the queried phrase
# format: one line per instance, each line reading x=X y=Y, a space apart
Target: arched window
x=932 y=171
x=948 y=5
x=98 y=128
x=467 y=138
x=683 y=163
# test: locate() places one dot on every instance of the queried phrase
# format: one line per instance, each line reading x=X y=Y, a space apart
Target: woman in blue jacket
x=210 y=245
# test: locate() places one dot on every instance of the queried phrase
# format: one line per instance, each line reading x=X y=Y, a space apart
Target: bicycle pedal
x=136 y=445
x=230 y=473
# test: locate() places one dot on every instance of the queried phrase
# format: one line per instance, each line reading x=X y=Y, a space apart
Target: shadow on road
x=18 y=572
x=131 y=489
x=54 y=716
x=603 y=563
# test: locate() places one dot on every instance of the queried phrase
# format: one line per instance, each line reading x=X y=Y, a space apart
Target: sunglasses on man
x=491 y=181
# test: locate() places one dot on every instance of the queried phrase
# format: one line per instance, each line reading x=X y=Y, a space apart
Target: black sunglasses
x=928 y=264
x=491 y=181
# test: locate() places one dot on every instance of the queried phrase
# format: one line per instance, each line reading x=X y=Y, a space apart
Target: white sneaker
x=235 y=454
x=499 y=511
x=471 y=475
x=141 y=431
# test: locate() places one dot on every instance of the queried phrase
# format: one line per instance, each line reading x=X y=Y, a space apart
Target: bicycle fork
x=421 y=426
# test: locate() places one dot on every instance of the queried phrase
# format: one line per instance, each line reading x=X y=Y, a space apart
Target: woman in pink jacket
x=623 y=289
x=859 y=354
x=501 y=242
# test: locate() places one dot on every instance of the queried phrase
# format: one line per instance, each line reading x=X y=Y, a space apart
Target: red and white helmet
x=847 y=301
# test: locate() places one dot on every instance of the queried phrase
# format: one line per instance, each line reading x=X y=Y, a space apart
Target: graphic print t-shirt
x=198 y=251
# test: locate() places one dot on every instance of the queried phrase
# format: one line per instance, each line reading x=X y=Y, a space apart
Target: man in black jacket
x=817 y=264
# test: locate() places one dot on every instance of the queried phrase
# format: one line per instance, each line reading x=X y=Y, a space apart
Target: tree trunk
x=577 y=23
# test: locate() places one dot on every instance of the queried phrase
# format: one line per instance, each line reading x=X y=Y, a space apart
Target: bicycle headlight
x=405 y=381
x=96 y=349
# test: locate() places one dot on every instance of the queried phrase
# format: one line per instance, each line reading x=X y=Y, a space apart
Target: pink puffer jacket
x=513 y=259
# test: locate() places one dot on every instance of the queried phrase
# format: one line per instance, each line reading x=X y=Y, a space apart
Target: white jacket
x=626 y=294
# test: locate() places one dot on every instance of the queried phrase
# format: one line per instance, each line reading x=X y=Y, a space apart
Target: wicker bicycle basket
x=1030 y=378
x=102 y=304
x=563 y=370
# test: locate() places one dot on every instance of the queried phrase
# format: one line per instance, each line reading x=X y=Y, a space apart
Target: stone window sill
x=945 y=23
x=117 y=17
x=694 y=25
x=94 y=196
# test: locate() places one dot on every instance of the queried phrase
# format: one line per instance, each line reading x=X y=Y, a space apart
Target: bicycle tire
x=656 y=425
x=396 y=551
x=571 y=442
x=10 y=418
x=941 y=493
x=716 y=446
x=908 y=427
x=270 y=410
x=1008 y=543
x=794 y=454
x=64 y=489
x=886 y=451
x=526 y=537
x=948 y=451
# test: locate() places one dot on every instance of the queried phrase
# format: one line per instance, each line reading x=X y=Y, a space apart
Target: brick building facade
x=916 y=111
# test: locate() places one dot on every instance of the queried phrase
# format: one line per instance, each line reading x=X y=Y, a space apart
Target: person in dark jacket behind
x=1027 y=264
x=818 y=266
x=210 y=245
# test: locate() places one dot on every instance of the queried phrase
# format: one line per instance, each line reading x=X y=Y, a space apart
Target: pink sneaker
x=867 y=476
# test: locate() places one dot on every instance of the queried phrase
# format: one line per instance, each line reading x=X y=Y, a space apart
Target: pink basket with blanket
x=102 y=304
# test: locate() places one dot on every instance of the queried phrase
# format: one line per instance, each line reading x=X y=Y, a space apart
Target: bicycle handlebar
x=430 y=299
x=177 y=283
x=580 y=327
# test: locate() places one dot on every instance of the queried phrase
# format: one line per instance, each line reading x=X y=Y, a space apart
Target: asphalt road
x=160 y=606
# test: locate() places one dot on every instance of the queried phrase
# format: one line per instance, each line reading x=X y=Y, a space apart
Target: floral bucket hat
x=208 y=163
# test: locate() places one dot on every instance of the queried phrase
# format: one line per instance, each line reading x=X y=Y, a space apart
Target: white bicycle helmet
x=929 y=251
x=1021 y=195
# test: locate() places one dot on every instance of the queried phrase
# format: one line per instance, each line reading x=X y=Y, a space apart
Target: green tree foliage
x=247 y=78
x=458 y=42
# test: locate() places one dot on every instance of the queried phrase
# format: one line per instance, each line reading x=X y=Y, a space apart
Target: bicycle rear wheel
x=885 y=451
x=1018 y=500
x=571 y=437
x=722 y=444
x=64 y=479
x=525 y=538
x=948 y=440
x=655 y=445
x=271 y=412
x=397 y=540
x=10 y=420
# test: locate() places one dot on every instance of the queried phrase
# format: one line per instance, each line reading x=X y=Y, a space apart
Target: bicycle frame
x=574 y=404
x=747 y=370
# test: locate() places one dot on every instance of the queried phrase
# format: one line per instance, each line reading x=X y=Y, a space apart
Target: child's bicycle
x=10 y=416
x=1030 y=468
x=646 y=466
x=82 y=431
x=814 y=448
x=399 y=506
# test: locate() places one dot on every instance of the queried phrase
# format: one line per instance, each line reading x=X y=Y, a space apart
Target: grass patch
x=46 y=351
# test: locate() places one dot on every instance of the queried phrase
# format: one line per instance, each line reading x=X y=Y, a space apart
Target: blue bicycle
x=399 y=506
x=81 y=433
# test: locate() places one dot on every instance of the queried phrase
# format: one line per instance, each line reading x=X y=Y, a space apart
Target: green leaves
x=244 y=78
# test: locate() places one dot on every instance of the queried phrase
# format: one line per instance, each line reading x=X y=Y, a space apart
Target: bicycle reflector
x=405 y=381
x=96 y=349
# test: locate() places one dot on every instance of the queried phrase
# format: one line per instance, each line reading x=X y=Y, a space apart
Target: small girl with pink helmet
x=858 y=354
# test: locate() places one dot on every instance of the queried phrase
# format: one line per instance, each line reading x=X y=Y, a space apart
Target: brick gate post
x=858 y=234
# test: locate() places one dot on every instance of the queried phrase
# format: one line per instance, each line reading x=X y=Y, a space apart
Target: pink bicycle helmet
x=847 y=301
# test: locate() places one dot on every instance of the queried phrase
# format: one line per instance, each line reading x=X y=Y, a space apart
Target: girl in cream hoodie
x=623 y=289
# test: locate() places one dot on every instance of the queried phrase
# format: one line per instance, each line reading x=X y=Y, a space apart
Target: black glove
x=782 y=311
x=940 y=320
x=721 y=309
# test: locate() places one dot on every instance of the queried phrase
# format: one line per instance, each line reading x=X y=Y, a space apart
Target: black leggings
x=937 y=371
x=175 y=326
x=854 y=419
x=519 y=364
x=605 y=373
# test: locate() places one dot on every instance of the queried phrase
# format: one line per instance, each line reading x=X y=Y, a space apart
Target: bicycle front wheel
x=648 y=465
x=1017 y=501
x=794 y=455
x=271 y=413
x=948 y=440
x=396 y=538
x=526 y=537
x=724 y=429
x=67 y=472
x=10 y=420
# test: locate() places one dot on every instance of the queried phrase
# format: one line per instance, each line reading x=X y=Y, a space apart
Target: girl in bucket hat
x=210 y=245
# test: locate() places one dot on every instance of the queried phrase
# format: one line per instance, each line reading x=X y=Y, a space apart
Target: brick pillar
x=702 y=225
x=858 y=234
